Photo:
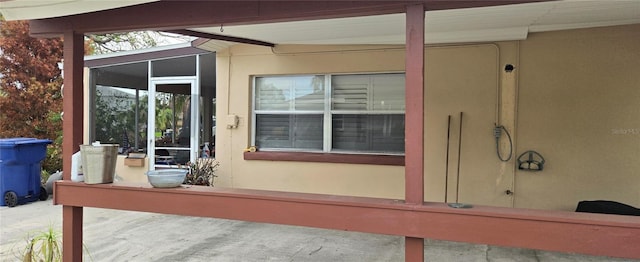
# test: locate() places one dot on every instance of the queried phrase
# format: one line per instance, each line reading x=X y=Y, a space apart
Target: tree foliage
x=115 y=42
x=30 y=80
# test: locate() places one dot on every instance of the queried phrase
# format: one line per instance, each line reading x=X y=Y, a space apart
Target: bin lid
x=12 y=142
x=9 y=142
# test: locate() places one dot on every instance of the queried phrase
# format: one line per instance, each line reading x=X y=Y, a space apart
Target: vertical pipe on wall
x=459 y=154
x=72 y=138
x=414 y=121
x=509 y=93
x=498 y=120
x=446 y=163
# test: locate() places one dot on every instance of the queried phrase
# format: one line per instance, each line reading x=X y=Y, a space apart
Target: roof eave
x=165 y=15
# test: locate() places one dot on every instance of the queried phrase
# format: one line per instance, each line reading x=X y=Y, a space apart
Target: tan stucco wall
x=579 y=106
x=460 y=78
x=570 y=92
x=464 y=79
x=342 y=179
x=130 y=173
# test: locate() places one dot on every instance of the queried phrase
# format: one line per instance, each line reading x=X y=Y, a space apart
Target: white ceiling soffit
x=498 y=23
x=214 y=46
x=583 y=14
x=36 y=9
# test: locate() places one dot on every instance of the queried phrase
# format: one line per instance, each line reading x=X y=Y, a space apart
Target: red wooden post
x=72 y=138
x=414 y=121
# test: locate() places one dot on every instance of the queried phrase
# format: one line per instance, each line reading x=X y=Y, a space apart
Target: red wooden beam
x=168 y=15
x=592 y=234
x=414 y=121
x=72 y=137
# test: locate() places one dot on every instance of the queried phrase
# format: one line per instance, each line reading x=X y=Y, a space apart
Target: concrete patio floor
x=113 y=235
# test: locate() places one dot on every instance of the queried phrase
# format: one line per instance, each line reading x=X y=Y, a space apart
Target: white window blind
x=290 y=131
x=290 y=93
x=380 y=92
x=368 y=113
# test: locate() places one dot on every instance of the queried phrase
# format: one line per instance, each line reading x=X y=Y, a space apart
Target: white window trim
x=328 y=121
x=327 y=115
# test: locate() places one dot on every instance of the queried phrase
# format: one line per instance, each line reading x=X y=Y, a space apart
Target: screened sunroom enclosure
x=162 y=105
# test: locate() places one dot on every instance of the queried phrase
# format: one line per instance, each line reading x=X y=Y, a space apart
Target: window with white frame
x=361 y=113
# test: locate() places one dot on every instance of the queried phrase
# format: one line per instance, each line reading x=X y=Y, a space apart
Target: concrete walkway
x=112 y=235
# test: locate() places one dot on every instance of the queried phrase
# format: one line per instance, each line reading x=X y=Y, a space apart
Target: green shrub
x=53 y=160
x=44 y=176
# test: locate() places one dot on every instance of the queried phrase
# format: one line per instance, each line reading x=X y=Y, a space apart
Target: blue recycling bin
x=20 y=170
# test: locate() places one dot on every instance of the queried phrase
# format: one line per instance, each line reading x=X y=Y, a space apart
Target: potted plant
x=201 y=172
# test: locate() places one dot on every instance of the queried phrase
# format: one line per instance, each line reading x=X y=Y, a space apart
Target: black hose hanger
x=531 y=161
